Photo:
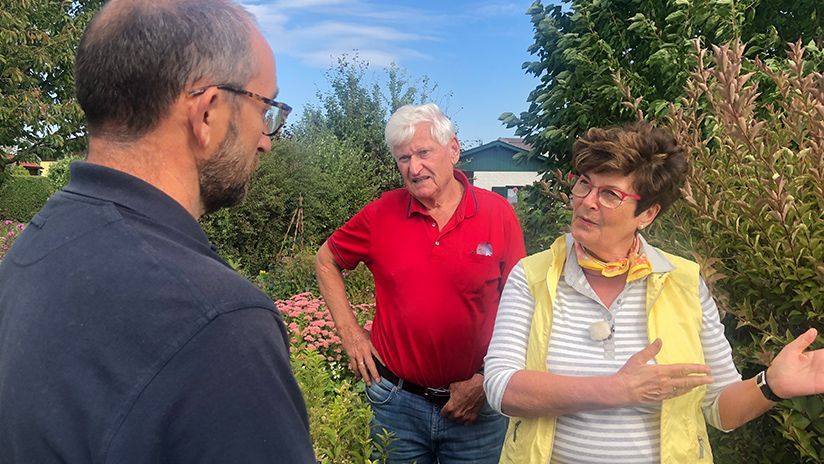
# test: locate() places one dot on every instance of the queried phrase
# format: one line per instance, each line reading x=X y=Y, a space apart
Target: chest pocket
x=477 y=275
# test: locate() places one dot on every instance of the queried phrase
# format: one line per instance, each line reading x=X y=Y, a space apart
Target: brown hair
x=649 y=153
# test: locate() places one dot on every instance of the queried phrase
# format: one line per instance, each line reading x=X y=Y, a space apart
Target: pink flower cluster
x=9 y=230
x=310 y=325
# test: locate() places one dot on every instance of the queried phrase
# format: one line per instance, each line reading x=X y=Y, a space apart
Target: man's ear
x=455 y=149
x=202 y=117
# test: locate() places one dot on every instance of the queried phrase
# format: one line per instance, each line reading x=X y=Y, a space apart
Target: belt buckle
x=439 y=396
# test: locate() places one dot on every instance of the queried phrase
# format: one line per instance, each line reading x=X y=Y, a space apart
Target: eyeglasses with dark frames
x=275 y=116
x=609 y=197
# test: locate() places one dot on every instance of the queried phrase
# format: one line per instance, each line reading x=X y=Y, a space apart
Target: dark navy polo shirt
x=124 y=338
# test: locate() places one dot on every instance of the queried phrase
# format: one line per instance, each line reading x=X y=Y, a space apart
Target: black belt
x=438 y=396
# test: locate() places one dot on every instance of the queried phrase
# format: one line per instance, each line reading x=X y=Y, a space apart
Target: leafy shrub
x=293 y=274
x=344 y=182
x=300 y=194
x=338 y=414
x=290 y=275
x=753 y=219
x=59 y=174
x=311 y=328
x=251 y=234
x=21 y=197
x=9 y=230
x=545 y=214
x=18 y=170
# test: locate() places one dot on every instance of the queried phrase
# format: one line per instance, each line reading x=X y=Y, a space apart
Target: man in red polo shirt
x=440 y=251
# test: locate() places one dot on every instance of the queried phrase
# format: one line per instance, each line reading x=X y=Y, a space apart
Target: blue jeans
x=422 y=436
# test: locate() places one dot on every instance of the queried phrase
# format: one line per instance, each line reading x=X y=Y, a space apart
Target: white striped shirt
x=619 y=435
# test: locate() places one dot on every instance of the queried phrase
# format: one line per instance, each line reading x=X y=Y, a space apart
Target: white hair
x=401 y=126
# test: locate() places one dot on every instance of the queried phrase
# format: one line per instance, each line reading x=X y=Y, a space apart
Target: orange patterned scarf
x=636 y=264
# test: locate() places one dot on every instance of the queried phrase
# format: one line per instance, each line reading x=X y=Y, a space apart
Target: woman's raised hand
x=649 y=383
x=795 y=372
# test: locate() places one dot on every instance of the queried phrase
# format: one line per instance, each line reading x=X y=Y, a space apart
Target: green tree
x=355 y=109
x=647 y=43
x=39 y=115
x=333 y=163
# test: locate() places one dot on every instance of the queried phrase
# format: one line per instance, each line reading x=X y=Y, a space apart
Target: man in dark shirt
x=124 y=337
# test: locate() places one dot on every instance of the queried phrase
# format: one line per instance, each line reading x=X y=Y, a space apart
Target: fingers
x=666 y=393
x=372 y=369
x=802 y=342
x=655 y=383
x=359 y=369
x=645 y=355
x=678 y=379
x=361 y=360
x=461 y=415
x=448 y=409
x=683 y=370
x=364 y=368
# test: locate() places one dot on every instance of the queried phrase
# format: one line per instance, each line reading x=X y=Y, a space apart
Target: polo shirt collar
x=659 y=262
x=96 y=181
x=573 y=273
x=468 y=206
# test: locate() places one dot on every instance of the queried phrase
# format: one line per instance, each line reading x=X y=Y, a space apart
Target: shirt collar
x=126 y=191
x=468 y=206
x=659 y=262
x=573 y=272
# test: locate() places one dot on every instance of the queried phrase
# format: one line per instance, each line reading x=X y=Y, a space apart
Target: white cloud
x=315 y=30
x=332 y=30
x=266 y=15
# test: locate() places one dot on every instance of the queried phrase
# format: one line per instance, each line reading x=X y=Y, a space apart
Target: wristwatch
x=761 y=381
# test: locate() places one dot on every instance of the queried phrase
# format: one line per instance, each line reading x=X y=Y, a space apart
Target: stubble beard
x=224 y=179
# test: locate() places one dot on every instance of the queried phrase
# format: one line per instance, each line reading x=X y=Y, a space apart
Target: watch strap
x=761 y=381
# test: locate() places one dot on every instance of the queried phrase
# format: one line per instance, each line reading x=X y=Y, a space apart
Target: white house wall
x=489 y=179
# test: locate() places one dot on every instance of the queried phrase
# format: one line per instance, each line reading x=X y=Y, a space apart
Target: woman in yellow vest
x=607 y=349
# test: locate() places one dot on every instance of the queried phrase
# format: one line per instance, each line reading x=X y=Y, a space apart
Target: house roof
x=516 y=142
x=499 y=155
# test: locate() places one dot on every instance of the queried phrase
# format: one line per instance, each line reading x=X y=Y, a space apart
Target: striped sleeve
x=507 y=349
x=717 y=355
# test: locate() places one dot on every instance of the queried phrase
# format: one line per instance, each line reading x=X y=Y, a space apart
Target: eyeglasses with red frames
x=609 y=197
x=275 y=116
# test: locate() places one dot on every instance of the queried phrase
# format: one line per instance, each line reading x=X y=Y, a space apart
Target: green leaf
x=675 y=16
x=636 y=25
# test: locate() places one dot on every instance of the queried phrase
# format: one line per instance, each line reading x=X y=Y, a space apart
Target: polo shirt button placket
x=437 y=243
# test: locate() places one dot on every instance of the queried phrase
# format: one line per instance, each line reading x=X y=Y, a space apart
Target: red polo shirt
x=437 y=291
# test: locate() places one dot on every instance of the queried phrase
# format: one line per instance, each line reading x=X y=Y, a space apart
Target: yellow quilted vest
x=674 y=315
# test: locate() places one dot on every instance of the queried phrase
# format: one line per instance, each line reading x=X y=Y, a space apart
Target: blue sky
x=473 y=51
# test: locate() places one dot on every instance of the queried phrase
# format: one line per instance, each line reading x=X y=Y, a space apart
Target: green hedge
x=21 y=197
x=301 y=193
x=59 y=171
x=752 y=219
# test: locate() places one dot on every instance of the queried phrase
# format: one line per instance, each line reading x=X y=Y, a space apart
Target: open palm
x=795 y=372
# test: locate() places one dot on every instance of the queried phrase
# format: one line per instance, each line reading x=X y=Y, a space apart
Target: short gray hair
x=401 y=126
x=136 y=58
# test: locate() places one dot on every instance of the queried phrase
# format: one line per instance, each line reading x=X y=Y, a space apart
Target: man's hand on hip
x=466 y=400
x=361 y=353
